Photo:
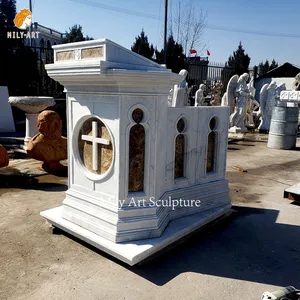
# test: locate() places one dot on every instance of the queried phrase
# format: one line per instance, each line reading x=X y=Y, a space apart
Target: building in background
x=47 y=37
x=283 y=74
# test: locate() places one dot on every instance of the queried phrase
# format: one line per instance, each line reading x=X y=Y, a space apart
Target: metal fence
x=46 y=86
x=210 y=74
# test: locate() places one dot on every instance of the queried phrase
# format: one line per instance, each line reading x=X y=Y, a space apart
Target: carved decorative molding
x=64 y=55
x=291 y=96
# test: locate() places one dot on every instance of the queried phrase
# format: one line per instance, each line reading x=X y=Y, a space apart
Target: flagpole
x=165 y=32
x=30 y=27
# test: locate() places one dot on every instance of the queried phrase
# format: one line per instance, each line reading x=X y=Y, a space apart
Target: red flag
x=193 y=51
x=208 y=53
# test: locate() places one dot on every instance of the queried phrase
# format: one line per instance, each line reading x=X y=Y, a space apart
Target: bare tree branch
x=190 y=24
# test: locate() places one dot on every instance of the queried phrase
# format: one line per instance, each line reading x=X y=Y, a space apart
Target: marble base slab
x=135 y=251
x=292 y=192
x=236 y=130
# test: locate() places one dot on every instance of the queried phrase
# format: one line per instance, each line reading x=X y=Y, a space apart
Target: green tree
x=239 y=61
x=175 y=56
x=75 y=34
x=265 y=67
x=142 y=46
x=273 y=65
x=7 y=46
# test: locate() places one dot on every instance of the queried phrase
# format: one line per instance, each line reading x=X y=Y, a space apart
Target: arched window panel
x=179 y=156
x=136 y=158
x=210 y=163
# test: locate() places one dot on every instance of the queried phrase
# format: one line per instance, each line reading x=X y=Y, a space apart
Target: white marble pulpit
x=131 y=157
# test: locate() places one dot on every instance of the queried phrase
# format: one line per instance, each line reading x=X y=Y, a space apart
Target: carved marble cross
x=95 y=140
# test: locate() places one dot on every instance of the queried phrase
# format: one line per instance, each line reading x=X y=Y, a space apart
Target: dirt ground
x=256 y=250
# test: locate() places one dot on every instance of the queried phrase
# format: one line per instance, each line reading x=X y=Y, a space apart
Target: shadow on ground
x=249 y=246
x=51 y=182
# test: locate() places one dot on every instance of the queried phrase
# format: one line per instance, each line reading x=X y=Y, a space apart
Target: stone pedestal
x=31 y=127
x=131 y=157
x=32 y=106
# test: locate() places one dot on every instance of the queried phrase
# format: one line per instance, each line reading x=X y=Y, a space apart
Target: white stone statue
x=251 y=88
x=237 y=119
x=230 y=95
x=199 y=96
x=180 y=95
x=267 y=102
x=296 y=83
x=281 y=87
x=170 y=97
x=224 y=99
x=252 y=106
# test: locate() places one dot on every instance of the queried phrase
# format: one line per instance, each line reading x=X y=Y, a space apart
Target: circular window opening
x=137 y=115
x=95 y=146
x=181 y=125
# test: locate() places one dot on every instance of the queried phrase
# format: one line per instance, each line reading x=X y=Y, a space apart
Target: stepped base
x=136 y=251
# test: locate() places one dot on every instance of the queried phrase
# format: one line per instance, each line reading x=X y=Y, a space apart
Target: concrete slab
x=292 y=192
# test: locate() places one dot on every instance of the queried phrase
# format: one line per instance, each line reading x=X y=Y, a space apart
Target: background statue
x=180 y=95
x=199 y=96
x=267 y=102
x=296 y=83
x=224 y=100
x=48 y=145
x=170 y=97
x=251 y=88
x=217 y=90
x=281 y=87
x=237 y=119
x=229 y=99
x=252 y=106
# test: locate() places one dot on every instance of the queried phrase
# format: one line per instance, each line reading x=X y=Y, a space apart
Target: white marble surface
x=267 y=102
x=110 y=93
x=136 y=251
x=31 y=105
x=295 y=189
x=290 y=96
x=199 y=96
x=6 y=117
x=237 y=118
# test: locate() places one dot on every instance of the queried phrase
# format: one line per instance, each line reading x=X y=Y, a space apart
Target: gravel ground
x=256 y=250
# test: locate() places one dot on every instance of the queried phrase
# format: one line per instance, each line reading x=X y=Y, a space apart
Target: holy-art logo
x=23 y=19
